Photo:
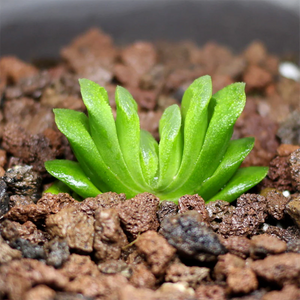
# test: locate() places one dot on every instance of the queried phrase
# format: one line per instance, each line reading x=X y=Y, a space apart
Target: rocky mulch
x=53 y=247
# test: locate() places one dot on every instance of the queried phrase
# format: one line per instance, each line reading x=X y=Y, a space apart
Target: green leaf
x=194 y=113
x=128 y=131
x=243 y=180
x=149 y=157
x=103 y=130
x=170 y=145
x=195 y=121
x=74 y=125
x=230 y=102
x=234 y=156
x=58 y=187
x=71 y=174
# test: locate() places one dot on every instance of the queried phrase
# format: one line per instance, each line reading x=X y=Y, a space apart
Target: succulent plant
x=195 y=153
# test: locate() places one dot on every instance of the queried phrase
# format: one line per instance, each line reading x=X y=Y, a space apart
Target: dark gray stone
x=191 y=237
x=4 y=199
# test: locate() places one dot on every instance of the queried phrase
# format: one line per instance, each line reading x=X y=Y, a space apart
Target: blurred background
x=31 y=29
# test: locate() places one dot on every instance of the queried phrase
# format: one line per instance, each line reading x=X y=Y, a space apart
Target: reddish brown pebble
x=79 y=265
x=256 y=78
x=33 y=149
x=15 y=69
x=256 y=53
x=40 y=292
x=237 y=245
x=105 y=200
x=247 y=217
x=139 y=214
x=157 y=251
x=179 y=272
x=145 y=98
x=7 y=253
x=126 y=75
x=74 y=226
x=56 y=203
x=2 y=172
x=193 y=202
x=280 y=269
x=210 y=292
x=276 y=203
x=241 y=281
x=289 y=292
x=97 y=59
x=295 y=168
x=279 y=175
x=2 y=158
x=264 y=244
x=109 y=237
x=35 y=272
x=100 y=287
x=31 y=212
x=15 y=200
x=286 y=149
x=28 y=231
x=166 y=208
x=217 y=210
x=293 y=209
x=225 y=264
x=140 y=56
x=142 y=277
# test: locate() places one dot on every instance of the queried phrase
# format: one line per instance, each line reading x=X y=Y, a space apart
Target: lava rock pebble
x=7 y=253
x=280 y=269
x=193 y=202
x=74 y=226
x=179 y=272
x=57 y=252
x=217 y=210
x=157 y=251
x=22 y=180
x=263 y=244
x=249 y=214
x=295 y=167
x=191 y=237
x=237 y=245
x=293 y=209
x=166 y=208
x=4 y=199
x=139 y=214
x=28 y=249
x=109 y=237
x=276 y=203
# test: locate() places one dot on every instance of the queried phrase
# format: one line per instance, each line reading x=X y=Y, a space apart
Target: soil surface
x=110 y=248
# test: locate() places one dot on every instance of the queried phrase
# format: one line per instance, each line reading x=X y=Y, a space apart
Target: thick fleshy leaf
x=195 y=120
x=70 y=173
x=103 y=130
x=194 y=109
x=170 y=145
x=74 y=125
x=229 y=103
x=243 y=180
x=234 y=156
x=128 y=130
x=58 y=187
x=149 y=157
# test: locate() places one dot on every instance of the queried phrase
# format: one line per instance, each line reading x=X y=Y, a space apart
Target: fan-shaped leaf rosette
x=195 y=153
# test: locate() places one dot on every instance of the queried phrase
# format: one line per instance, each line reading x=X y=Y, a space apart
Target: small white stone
x=289 y=70
x=265 y=227
x=286 y=193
